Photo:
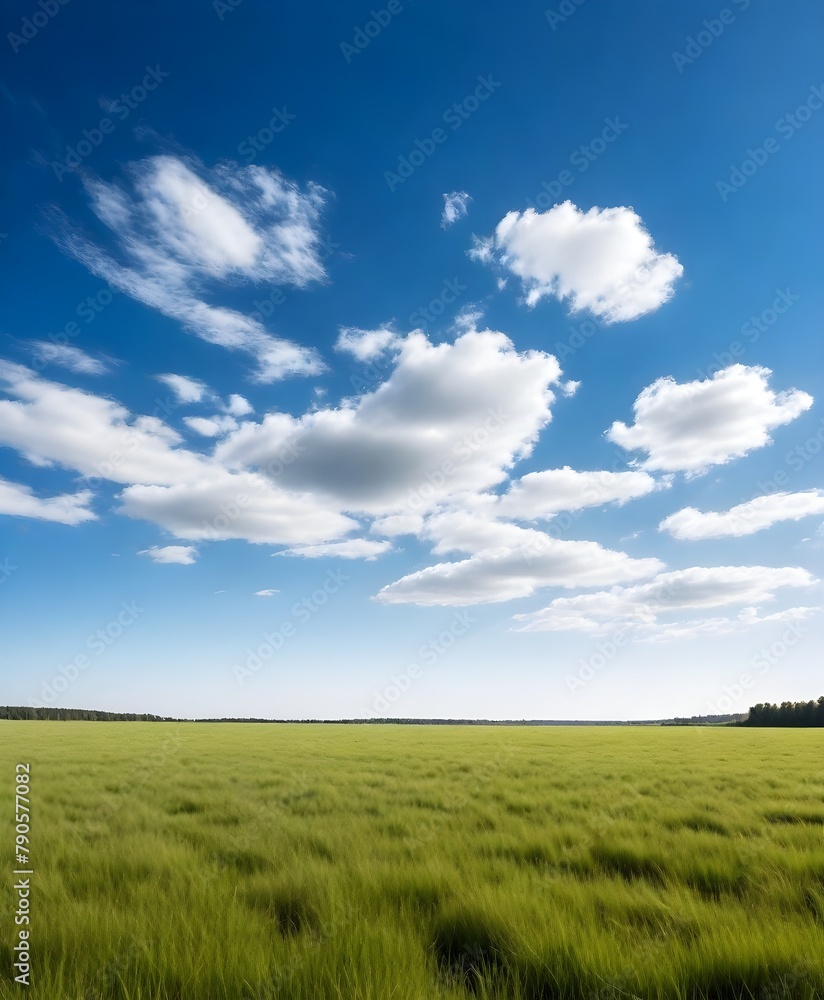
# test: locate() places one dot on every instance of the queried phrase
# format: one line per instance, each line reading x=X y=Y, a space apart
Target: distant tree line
x=803 y=714
x=64 y=714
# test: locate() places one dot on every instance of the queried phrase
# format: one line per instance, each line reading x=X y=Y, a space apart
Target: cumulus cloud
x=745 y=518
x=52 y=424
x=544 y=494
x=420 y=454
x=639 y=607
x=182 y=229
x=352 y=548
x=691 y=426
x=450 y=418
x=602 y=260
x=455 y=206
x=247 y=506
x=186 y=390
x=211 y=426
x=507 y=562
x=366 y=344
x=183 y=555
x=238 y=406
x=67 y=356
x=190 y=494
x=17 y=500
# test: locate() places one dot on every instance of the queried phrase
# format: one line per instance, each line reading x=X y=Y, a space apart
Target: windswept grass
x=254 y=862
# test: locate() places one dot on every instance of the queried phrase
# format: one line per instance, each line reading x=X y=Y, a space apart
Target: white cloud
x=238 y=406
x=450 y=418
x=187 y=493
x=455 y=206
x=366 y=344
x=693 y=425
x=602 y=260
x=744 y=620
x=211 y=426
x=266 y=593
x=51 y=423
x=352 y=548
x=183 y=555
x=544 y=494
x=640 y=606
x=187 y=390
x=745 y=518
x=67 y=356
x=248 y=506
x=182 y=229
x=507 y=562
x=17 y=500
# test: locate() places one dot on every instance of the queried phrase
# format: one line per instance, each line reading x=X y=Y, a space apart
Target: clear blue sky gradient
x=349 y=115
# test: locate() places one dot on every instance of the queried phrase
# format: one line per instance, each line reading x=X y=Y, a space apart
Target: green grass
x=253 y=862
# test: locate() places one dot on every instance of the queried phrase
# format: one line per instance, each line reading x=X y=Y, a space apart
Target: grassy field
x=202 y=862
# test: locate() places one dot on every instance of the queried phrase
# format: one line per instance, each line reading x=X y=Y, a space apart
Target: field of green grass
x=253 y=862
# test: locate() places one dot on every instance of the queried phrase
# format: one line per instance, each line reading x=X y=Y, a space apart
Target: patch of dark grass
x=289 y=907
x=701 y=823
x=185 y=807
x=629 y=863
x=713 y=879
x=807 y=816
x=469 y=947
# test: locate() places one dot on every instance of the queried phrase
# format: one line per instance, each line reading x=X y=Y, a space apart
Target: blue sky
x=412 y=360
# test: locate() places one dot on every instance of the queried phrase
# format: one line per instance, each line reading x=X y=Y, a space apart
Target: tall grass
x=253 y=862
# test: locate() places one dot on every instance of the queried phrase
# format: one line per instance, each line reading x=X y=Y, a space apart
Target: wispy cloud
x=17 y=500
x=745 y=518
x=46 y=352
x=187 y=390
x=455 y=206
x=183 y=555
x=181 y=230
x=640 y=607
